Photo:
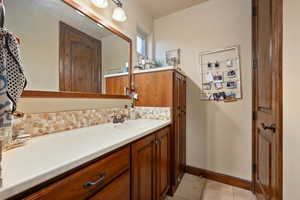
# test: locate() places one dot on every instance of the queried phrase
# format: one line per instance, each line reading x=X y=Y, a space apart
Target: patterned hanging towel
x=12 y=79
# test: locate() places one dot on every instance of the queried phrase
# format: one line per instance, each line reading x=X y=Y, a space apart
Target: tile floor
x=197 y=188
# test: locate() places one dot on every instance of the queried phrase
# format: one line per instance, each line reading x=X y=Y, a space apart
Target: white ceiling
x=160 y=8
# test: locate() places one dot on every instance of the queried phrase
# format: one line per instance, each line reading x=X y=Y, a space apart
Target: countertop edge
x=145 y=71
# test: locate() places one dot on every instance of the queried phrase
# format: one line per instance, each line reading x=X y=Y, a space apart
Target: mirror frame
x=88 y=13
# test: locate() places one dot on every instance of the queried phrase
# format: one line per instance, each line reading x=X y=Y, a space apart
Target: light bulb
x=100 y=3
x=119 y=14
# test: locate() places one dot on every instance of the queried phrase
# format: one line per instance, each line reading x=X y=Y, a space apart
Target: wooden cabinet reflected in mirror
x=67 y=49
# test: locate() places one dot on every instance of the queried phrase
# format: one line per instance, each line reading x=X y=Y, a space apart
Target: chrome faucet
x=118 y=118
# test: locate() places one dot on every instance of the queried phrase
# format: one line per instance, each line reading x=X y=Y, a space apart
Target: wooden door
x=119 y=189
x=143 y=169
x=163 y=163
x=80 y=61
x=267 y=99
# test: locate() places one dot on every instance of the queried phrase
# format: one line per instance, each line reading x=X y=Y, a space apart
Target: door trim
x=277 y=42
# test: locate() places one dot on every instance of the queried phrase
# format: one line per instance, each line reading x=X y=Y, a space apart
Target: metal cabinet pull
x=100 y=180
x=156 y=142
x=272 y=127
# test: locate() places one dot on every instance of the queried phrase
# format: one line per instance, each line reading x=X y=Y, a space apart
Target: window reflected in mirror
x=141 y=45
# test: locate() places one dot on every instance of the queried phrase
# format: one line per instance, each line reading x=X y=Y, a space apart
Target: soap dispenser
x=132 y=112
x=134 y=97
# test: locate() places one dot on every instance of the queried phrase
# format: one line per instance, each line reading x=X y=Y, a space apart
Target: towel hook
x=2 y=13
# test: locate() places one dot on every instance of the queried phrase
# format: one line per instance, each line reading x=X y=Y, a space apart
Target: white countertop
x=48 y=156
x=144 y=71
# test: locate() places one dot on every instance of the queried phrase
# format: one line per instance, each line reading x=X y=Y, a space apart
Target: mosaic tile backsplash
x=46 y=123
x=160 y=113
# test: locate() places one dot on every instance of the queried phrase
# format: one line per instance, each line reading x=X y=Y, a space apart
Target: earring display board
x=221 y=74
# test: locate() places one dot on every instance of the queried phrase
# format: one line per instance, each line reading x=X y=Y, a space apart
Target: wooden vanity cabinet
x=84 y=183
x=167 y=89
x=117 y=190
x=138 y=171
x=163 y=163
x=150 y=166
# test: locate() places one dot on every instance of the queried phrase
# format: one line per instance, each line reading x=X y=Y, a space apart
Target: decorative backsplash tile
x=47 y=123
x=160 y=113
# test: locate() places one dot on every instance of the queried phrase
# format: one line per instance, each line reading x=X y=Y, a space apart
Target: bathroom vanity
x=141 y=159
x=123 y=161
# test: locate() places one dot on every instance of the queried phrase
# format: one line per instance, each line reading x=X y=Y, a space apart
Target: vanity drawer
x=86 y=181
x=119 y=189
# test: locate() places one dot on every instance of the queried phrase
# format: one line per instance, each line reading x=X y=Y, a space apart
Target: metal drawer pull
x=100 y=180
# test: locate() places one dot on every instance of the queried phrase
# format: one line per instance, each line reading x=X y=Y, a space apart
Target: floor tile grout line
x=203 y=188
x=233 y=197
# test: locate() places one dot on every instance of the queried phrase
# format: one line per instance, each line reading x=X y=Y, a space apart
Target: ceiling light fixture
x=119 y=14
x=100 y=3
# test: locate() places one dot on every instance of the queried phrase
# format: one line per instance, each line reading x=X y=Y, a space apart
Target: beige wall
x=37 y=105
x=114 y=55
x=291 y=108
x=218 y=134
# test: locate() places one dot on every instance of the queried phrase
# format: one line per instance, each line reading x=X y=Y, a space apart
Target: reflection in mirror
x=64 y=50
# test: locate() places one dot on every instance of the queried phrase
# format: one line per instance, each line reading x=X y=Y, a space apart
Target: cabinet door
x=163 y=163
x=179 y=128
x=117 y=85
x=117 y=190
x=154 y=89
x=177 y=120
x=182 y=142
x=143 y=169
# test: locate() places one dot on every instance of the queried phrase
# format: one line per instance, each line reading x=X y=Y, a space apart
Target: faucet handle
x=18 y=114
x=114 y=117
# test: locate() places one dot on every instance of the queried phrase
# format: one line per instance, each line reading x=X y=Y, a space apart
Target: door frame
x=277 y=42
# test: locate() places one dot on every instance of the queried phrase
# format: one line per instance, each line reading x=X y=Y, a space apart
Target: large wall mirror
x=66 y=49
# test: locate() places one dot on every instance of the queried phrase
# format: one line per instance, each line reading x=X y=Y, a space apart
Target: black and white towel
x=12 y=79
